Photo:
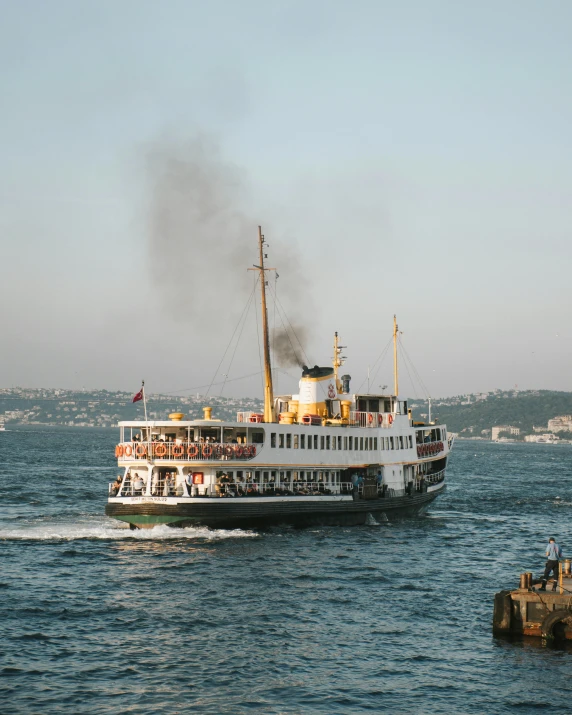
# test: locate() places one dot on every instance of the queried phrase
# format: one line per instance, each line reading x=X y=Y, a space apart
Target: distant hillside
x=471 y=414
x=101 y=408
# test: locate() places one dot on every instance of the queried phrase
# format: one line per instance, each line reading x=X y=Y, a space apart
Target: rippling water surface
x=393 y=617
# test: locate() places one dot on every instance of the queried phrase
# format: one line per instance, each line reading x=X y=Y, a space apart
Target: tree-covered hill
x=474 y=413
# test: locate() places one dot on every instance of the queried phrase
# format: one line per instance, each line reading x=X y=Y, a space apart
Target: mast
x=268 y=391
x=395 y=369
x=337 y=362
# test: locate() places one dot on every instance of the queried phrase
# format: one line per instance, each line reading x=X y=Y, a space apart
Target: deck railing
x=186 y=451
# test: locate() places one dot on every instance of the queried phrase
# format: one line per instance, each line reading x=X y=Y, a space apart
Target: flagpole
x=144 y=400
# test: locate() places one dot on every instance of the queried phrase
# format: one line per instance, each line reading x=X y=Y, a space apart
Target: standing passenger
x=553 y=554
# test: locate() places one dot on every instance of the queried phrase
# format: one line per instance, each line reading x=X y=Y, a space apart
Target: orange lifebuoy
x=228 y=450
x=369 y=418
x=193 y=450
x=128 y=450
x=207 y=450
x=119 y=450
x=238 y=451
x=252 y=450
x=380 y=419
x=178 y=450
x=141 y=450
x=160 y=450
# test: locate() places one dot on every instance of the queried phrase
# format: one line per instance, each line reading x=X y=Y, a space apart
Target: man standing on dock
x=553 y=554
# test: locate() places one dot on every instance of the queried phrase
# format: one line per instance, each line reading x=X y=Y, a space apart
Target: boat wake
x=109 y=531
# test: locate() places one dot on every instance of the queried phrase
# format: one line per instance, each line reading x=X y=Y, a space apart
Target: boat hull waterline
x=260 y=512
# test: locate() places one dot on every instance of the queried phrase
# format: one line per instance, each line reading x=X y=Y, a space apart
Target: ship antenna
x=268 y=391
x=395 y=368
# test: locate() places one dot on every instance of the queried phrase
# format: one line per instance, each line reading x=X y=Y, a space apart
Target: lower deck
x=351 y=508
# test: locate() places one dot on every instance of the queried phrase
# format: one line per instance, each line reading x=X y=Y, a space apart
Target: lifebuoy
x=207 y=450
x=369 y=417
x=178 y=450
x=160 y=450
x=390 y=419
x=238 y=451
x=252 y=450
x=128 y=450
x=193 y=450
x=141 y=450
x=228 y=450
x=380 y=419
x=119 y=450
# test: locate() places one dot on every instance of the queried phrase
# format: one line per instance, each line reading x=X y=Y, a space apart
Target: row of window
x=338 y=442
x=262 y=476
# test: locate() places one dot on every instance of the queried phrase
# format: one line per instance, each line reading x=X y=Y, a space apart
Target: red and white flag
x=138 y=396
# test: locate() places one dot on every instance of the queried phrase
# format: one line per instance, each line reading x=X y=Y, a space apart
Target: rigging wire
x=381 y=357
x=421 y=383
x=230 y=341
x=281 y=307
x=245 y=316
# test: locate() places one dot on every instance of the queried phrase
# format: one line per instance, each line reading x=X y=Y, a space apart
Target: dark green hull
x=263 y=512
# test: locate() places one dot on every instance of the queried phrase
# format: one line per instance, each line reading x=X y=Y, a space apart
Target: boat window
x=316 y=441
x=314 y=476
x=334 y=445
x=361 y=443
x=240 y=474
x=309 y=441
x=257 y=436
x=345 y=443
x=321 y=441
x=273 y=439
x=375 y=443
x=391 y=443
x=339 y=443
x=289 y=441
x=295 y=441
x=265 y=476
x=281 y=440
x=302 y=441
x=288 y=474
x=302 y=475
x=362 y=405
x=401 y=443
x=374 y=406
x=273 y=476
x=351 y=439
x=410 y=441
x=328 y=441
x=257 y=475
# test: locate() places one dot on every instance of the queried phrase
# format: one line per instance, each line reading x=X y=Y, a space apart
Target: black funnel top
x=316 y=371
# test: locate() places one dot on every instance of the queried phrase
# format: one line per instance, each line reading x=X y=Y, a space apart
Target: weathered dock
x=530 y=612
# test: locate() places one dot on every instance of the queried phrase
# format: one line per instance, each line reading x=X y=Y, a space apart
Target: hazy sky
x=405 y=157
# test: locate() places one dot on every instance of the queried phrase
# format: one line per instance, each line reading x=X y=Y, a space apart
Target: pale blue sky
x=417 y=153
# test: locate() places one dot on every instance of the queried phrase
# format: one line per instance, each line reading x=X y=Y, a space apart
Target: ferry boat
x=323 y=456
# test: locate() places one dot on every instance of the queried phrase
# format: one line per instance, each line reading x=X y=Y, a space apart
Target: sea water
x=394 y=616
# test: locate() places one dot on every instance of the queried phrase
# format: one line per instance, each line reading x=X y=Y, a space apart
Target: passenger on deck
x=155 y=484
x=116 y=486
x=138 y=485
x=189 y=484
x=169 y=484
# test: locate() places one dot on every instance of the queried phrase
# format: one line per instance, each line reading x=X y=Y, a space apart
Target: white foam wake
x=110 y=531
